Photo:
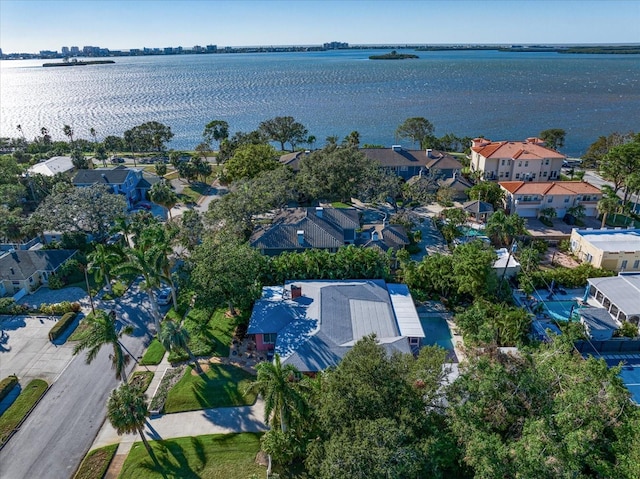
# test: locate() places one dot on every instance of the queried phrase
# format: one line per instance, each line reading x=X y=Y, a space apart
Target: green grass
x=21 y=407
x=214 y=456
x=117 y=290
x=221 y=386
x=96 y=463
x=622 y=220
x=154 y=353
x=340 y=204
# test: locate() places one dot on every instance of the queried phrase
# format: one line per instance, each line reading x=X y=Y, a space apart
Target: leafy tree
x=127 y=411
x=68 y=132
x=248 y=161
x=161 y=168
x=486 y=322
x=598 y=149
x=100 y=154
x=239 y=138
x=417 y=129
x=216 y=130
x=191 y=229
x=352 y=140
x=101 y=260
x=284 y=129
x=554 y=138
x=619 y=164
x=113 y=144
x=174 y=336
x=488 y=192
x=226 y=271
x=278 y=385
x=79 y=160
x=149 y=136
x=91 y=209
x=162 y=194
x=473 y=269
x=577 y=211
x=102 y=330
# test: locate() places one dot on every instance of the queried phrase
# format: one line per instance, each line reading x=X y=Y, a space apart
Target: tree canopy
x=554 y=137
x=284 y=129
x=417 y=129
x=150 y=136
x=248 y=161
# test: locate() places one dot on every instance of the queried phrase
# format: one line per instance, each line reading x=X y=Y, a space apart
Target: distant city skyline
x=29 y=26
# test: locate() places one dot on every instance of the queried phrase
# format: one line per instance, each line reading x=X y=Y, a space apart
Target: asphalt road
x=592 y=177
x=54 y=439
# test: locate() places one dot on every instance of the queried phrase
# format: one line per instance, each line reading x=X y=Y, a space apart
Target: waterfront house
x=129 y=182
x=313 y=324
x=22 y=272
x=528 y=160
x=53 y=166
x=612 y=249
x=408 y=163
x=527 y=199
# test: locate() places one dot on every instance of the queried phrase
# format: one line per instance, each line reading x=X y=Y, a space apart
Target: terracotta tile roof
x=521 y=150
x=549 y=187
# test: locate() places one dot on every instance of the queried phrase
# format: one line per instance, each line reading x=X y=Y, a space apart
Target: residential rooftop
x=613 y=240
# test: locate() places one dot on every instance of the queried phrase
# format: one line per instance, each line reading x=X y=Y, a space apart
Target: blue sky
x=34 y=25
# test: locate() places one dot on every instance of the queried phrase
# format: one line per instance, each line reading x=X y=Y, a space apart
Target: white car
x=164 y=297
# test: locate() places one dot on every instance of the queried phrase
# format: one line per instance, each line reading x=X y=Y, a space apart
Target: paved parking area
x=26 y=351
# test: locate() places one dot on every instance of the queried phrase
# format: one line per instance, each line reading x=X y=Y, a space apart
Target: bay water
x=498 y=95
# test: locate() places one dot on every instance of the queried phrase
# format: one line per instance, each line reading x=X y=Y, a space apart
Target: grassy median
x=96 y=463
x=13 y=416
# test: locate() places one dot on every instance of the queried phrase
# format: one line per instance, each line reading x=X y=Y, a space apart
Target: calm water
x=498 y=95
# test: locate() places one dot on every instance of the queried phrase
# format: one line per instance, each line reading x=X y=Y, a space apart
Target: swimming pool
x=436 y=331
x=468 y=231
x=560 y=310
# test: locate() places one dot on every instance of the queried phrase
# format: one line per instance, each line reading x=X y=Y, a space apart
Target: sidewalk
x=191 y=423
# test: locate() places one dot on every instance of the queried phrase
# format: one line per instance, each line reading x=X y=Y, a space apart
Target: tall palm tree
x=160 y=238
x=161 y=194
x=145 y=264
x=278 y=386
x=102 y=330
x=68 y=131
x=122 y=225
x=174 y=336
x=606 y=206
x=101 y=260
x=127 y=411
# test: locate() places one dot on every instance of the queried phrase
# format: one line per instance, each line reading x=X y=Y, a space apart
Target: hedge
x=6 y=385
x=62 y=324
x=59 y=308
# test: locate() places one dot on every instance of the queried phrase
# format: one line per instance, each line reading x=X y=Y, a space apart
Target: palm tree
x=606 y=206
x=127 y=412
x=278 y=386
x=122 y=225
x=102 y=330
x=174 y=336
x=101 y=260
x=147 y=265
x=68 y=131
x=161 y=194
x=160 y=238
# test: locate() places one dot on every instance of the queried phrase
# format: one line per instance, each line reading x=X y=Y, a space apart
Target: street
x=54 y=439
x=591 y=176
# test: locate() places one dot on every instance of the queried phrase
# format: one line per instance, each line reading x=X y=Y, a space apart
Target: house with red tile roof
x=528 y=160
x=527 y=198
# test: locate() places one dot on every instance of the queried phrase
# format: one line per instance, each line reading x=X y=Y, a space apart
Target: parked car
x=164 y=297
x=144 y=205
x=117 y=159
x=113 y=239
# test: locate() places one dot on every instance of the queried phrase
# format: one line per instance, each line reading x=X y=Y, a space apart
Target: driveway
x=560 y=230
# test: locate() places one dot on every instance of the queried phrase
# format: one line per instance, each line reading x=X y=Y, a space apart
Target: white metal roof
x=613 y=241
x=405 y=310
x=57 y=164
x=622 y=290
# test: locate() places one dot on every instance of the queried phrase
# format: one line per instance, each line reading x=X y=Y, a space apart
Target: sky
x=28 y=26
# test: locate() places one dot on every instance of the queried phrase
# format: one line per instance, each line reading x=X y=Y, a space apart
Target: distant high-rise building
x=65 y=50
x=75 y=50
x=335 y=45
x=212 y=48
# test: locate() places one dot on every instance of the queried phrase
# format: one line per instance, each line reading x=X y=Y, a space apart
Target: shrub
x=62 y=324
x=170 y=379
x=60 y=308
x=9 y=306
x=6 y=385
x=55 y=282
x=568 y=277
x=140 y=380
x=564 y=246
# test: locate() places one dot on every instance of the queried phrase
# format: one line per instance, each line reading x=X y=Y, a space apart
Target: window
x=533 y=176
x=526 y=163
x=519 y=164
x=506 y=174
x=623 y=265
x=404 y=168
x=550 y=199
x=517 y=175
x=636 y=264
x=544 y=174
x=566 y=199
x=501 y=174
x=502 y=162
x=546 y=162
x=269 y=338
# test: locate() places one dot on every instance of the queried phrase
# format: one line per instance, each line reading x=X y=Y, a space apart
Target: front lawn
x=340 y=204
x=21 y=407
x=96 y=463
x=214 y=456
x=222 y=385
x=154 y=353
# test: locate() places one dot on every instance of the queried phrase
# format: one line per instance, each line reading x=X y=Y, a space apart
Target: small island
x=75 y=63
x=394 y=55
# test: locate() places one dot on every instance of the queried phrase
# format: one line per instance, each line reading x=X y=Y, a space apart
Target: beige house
x=527 y=160
x=612 y=249
x=527 y=199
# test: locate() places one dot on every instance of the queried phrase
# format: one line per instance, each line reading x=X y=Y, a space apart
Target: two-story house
x=527 y=199
x=129 y=182
x=527 y=160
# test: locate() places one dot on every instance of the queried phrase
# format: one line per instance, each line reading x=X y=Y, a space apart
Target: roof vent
x=296 y=291
x=319 y=211
x=429 y=152
x=300 y=234
x=396 y=147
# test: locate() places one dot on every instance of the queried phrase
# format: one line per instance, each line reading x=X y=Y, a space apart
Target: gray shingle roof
x=598 y=319
x=477 y=206
x=315 y=330
x=105 y=176
x=20 y=265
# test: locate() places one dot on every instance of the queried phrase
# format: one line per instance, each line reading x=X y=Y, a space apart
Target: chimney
x=296 y=291
x=319 y=211
x=396 y=147
x=429 y=151
x=300 y=234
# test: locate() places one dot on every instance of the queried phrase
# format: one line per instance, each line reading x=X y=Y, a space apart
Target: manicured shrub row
x=96 y=463
x=568 y=277
x=7 y=384
x=9 y=306
x=59 y=308
x=62 y=324
x=171 y=377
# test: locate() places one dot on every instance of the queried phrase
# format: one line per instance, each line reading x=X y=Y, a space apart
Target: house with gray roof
x=313 y=324
x=598 y=323
x=619 y=295
x=408 y=163
x=480 y=210
x=300 y=229
x=28 y=270
x=130 y=182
